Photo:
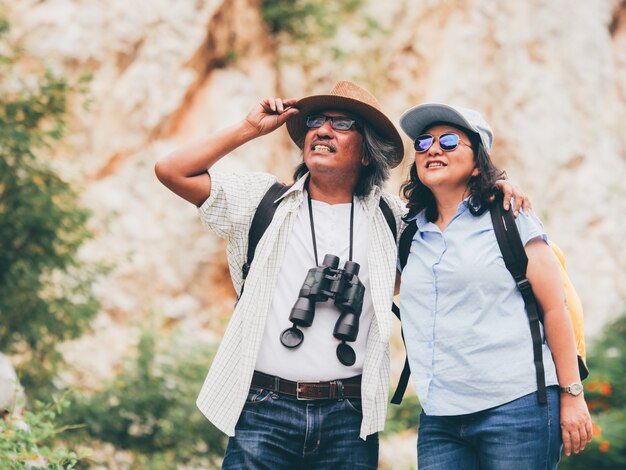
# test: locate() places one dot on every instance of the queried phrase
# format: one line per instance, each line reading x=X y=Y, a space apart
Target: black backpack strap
x=391 y=221
x=404 y=247
x=261 y=220
x=403 y=381
x=516 y=262
x=388 y=213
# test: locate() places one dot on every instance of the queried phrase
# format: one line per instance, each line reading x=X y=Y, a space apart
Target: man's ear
x=365 y=161
x=475 y=172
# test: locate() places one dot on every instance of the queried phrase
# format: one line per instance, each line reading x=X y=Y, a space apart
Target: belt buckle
x=298 y=383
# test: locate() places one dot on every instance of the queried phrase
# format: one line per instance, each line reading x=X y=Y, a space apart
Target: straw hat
x=347 y=96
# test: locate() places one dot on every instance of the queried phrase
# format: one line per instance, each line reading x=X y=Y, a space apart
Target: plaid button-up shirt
x=228 y=213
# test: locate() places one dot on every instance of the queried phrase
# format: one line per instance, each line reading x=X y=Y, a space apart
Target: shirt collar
x=422 y=223
x=297 y=187
x=371 y=200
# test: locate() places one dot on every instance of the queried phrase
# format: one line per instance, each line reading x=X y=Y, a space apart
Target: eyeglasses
x=338 y=123
x=447 y=142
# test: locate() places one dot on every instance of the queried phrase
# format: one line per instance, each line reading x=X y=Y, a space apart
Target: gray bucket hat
x=414 y=121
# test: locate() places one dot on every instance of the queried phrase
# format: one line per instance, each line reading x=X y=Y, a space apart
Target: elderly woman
x=464 y=320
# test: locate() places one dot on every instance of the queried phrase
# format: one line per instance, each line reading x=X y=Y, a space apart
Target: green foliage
x=27 y=442
x=45 y=292
x=605 y=392
x=403 y=417
x=149 y=408
x=306 y=19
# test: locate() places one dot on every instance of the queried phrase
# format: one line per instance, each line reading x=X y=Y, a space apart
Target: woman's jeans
x=519 y=435
x=279 y=432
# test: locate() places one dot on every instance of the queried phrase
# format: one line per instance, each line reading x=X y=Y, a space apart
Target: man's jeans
x=279 y=432
x=519 y=435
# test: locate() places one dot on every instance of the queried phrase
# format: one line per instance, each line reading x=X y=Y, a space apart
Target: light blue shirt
x=464 y=320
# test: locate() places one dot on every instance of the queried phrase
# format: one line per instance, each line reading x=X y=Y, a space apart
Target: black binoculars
x=329 y=282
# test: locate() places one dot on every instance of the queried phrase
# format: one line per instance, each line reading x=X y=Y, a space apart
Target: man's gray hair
x=376 y=151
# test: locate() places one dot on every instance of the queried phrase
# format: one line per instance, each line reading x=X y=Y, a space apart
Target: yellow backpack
x=575 y=309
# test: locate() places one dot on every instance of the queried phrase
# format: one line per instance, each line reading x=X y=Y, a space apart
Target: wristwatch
x=573 y=389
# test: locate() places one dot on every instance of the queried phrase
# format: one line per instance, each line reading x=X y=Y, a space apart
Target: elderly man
x=301 y=379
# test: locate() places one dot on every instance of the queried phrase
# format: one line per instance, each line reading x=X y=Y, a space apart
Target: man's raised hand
x=271 y=113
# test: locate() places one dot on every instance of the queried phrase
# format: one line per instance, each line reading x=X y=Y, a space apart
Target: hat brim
x=296 y=125
x=414 y=121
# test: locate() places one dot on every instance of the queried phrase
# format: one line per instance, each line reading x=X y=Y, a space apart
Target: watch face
x=576 y=389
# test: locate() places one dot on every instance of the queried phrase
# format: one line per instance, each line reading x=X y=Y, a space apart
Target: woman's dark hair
x=481 y=186
x=376 y=151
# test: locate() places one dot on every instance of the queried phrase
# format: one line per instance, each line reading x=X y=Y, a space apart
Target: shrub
x=306 y=19
x=28 y=441
x=605 y=392
x=404 y=416
x=149 y=408
x=45 y=290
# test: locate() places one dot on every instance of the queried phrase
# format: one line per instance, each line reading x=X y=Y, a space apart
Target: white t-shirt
x=316 y=358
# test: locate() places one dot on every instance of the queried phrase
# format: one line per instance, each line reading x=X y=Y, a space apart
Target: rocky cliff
x=549 y=76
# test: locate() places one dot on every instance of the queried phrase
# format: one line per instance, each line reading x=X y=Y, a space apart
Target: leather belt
x=333 y=390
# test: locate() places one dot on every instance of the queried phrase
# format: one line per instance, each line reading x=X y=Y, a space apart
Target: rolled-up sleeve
x=232 y=203
x=530 y=227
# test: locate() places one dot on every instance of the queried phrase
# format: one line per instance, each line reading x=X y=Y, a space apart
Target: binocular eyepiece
x=329 y=282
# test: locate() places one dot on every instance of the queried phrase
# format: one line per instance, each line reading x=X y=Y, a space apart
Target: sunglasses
x=338 y=123
x=447 y=142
